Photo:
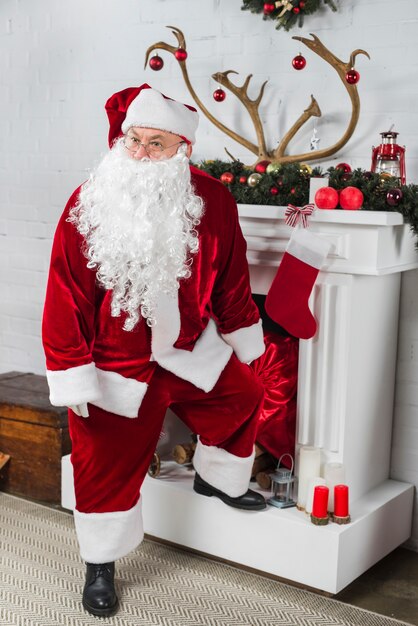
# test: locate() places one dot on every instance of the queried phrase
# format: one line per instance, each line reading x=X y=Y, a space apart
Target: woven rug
x=41 y=580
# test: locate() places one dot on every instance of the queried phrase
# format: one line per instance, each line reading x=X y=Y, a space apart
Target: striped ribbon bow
x=294 y=214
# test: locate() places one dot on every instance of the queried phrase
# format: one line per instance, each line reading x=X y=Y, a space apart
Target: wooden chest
x=34 y=434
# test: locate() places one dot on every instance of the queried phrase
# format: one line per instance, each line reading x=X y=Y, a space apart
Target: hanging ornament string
x=295 y=214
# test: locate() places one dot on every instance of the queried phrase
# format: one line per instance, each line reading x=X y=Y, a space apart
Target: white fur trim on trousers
x=105 y=537
x=221 y=469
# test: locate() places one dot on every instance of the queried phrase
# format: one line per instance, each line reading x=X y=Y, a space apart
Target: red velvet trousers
x=111 y=454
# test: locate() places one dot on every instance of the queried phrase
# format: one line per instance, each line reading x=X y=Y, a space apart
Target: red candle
x=341 y=501
x=320 y=501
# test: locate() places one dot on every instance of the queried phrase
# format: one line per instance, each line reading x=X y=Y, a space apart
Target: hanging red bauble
x=180 y=54
x=262 y=166
x=242 y=180
x=301 y=5
x=274 y=191
x=299 y=62
x=351 y=198
x=394 y=197
x=219 y=95
x=344 y=167
x=352 y=77
x=268 y=8
x=326 y=198
x=296 y=10
x=156 y=63
x=227 y=178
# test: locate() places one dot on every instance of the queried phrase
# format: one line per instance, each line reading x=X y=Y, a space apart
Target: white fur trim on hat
x=150 y=109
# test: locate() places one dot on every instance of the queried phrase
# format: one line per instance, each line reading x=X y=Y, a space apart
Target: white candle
x=334 y=474
x=309 y=467
x=313 y=482
x=314 y=185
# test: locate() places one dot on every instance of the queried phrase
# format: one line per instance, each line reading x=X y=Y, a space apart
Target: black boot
x=251 y=500
x=99 y=595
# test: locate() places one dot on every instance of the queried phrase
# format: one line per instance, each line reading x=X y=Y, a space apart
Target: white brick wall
x=59 y=63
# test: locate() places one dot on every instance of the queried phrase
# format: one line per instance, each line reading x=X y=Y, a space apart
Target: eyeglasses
x=153 y=148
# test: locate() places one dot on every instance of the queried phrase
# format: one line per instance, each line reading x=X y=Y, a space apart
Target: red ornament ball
x=352 y=77
x=219 y=95
x=344 y=167
x=293 y=190
x=394 y=197
x=299 y=62
x=242 y=180
x=268 y=8
x=180 y=54
x=156 y=63
x=326 y=198
x=227 y=178
x=262 y=166
x=351 y=198
x=274 y=191
x=301 y=5
x=296 y=10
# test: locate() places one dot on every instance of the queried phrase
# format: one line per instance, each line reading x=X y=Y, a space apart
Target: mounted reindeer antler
x=252 y=106
x=341 y=68
x=182 y=44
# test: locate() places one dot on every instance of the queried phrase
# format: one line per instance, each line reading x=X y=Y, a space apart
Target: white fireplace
x=346 y=382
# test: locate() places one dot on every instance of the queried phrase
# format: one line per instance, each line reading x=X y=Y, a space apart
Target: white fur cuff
x=73 y=386
x=221 y=469
x=105 y=537
x=120 y=395
x=247 y=343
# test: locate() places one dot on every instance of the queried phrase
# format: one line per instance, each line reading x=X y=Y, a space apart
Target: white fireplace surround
x=346 y=383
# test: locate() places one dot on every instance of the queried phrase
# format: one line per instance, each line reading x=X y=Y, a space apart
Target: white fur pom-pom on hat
x=151 y=109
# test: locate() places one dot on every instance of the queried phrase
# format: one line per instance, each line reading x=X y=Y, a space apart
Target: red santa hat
x=148 y=108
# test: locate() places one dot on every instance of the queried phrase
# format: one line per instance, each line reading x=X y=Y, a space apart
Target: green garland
x=290 y=18
x=290 y=184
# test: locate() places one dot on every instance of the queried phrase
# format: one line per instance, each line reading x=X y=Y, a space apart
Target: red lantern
x=351 y=198
x=299 y=62
x=389 y=158
x=352 y=77
x=156 y=63
x=326 y=198
x=219 y=95
x=180 y=54
x=227 y=178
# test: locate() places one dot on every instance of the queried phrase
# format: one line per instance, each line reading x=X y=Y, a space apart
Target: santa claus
x=149 y=306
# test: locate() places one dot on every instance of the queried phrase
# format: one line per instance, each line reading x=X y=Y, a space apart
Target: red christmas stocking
x=287 y=299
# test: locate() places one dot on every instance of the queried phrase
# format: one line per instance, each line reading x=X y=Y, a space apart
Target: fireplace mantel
x=345 y=403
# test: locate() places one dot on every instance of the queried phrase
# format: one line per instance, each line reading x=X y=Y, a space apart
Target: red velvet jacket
x=90 y=358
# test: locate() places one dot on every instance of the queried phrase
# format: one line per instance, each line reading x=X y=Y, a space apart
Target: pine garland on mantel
x=287 y=13
x=290 y=185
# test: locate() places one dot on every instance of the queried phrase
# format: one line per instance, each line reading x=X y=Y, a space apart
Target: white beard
x=139 y=221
